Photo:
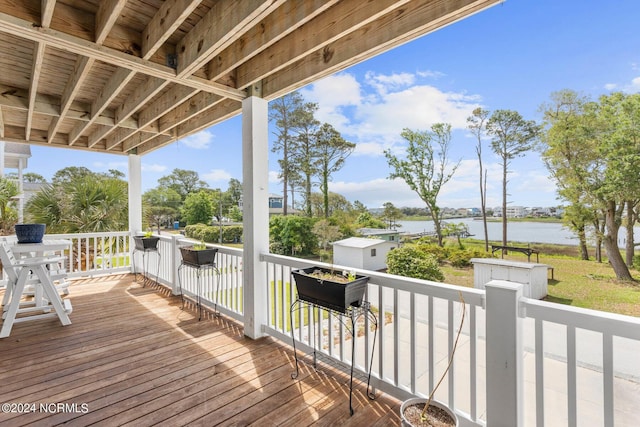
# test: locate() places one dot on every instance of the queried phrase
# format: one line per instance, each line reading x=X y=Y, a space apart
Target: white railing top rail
x=420 y=287
x=582 y=318
x=87 y=235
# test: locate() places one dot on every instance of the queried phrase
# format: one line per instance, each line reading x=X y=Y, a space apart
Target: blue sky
x=511 y=56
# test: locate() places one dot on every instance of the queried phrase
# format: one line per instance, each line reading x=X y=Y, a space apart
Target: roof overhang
x=131 y=76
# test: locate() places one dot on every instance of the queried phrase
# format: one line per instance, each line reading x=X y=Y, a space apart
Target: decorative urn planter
x=30 y=233
x=330 y=288
x=143 y=243
x=437 y=410
x=196 y=257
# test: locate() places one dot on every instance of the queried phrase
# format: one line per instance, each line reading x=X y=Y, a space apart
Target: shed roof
x=359 y=242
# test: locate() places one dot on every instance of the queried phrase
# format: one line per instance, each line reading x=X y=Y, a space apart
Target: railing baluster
x=451 y=329
x=539 y=353
x=396 y=339
x=431 y=349
x=413 y=334
x=607 y=378
x=571 y=377
x=473 y=362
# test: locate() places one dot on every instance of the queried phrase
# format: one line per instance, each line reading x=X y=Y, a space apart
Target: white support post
x=504 y=354
x=255 y=196
x=135 y=198
x=20 y=190
x=176 y=259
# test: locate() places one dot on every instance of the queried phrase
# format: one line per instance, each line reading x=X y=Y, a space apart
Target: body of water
x=517 y=231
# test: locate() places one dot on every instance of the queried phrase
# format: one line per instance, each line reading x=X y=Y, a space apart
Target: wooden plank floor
x=133 y=357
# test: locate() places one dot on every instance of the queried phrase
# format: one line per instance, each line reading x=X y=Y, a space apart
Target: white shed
x=533 y=276
x=359 y=252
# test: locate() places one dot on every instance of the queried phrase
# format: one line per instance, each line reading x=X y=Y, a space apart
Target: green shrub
x=412 y=261
x=211 y=233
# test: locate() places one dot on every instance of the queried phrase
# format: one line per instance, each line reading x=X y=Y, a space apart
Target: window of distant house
x=373 y=252
x=392 y=238
x=275 y=202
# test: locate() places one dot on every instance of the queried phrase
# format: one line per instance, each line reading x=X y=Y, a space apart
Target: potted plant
x=329 y=288
x=30 y=233
x=421 y=412
x=198 y=255
x=146 y=242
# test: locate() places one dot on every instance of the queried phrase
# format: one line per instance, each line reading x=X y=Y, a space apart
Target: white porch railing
x=539 y=363
x=519 y=362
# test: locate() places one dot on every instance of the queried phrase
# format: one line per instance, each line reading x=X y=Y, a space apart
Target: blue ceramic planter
x=30 y=233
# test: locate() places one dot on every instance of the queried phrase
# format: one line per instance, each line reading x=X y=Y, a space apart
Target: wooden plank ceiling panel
x=125 y=76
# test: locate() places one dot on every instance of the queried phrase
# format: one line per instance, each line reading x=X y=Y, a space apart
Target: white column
x=135 y=193
x=20 y=191
x=2 y=144
x=504 y=354
x=255 y=196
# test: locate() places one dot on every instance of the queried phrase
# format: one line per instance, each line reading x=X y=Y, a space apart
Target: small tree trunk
x=483 y=191
x=611 y=243
x=630 y=243
x=582 y=237
x=504 y=202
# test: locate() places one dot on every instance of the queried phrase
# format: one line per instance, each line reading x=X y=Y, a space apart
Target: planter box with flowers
x=146 y=242
x=198 y=255
x=330 y=288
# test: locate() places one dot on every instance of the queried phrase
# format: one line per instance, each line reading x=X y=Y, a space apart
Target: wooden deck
x=133 y=357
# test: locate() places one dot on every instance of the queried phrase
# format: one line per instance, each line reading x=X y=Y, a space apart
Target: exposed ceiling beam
x=72 y=87
x=221 y=26
x=106 y=17
x=415 y=19
x=114 y=85
x=326 y=28
x=46 y=12
x=216 y=114
x=17 y=99
x=165 y=22
x=169 y=17
x=36 y=67
x=141 y=95
x=105 y=20
x=21 y=28
x=274 y=27
x=164 y=104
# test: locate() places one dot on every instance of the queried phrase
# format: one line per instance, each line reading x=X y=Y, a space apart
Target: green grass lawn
x=579 y=283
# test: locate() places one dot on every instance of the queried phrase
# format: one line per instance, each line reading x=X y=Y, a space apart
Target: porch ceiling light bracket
x=172 y=60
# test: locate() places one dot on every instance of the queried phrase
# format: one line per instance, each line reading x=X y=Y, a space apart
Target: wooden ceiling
x=130 y=76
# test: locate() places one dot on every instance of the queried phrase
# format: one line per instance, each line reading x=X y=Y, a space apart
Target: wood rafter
x=134 y=75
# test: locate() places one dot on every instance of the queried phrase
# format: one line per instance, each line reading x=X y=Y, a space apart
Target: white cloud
x=383 y=83
x=274 y=177
x=610 y=86
x=200 y=140
x=635 y=84
x=376 y=113
x=153 y=167
x=216 y=175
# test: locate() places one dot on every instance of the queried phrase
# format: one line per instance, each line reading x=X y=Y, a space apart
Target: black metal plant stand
x=349 y=319
x=199 y=269
x=145 y=263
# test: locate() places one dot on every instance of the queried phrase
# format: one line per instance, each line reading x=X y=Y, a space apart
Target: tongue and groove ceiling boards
x=130 y=76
